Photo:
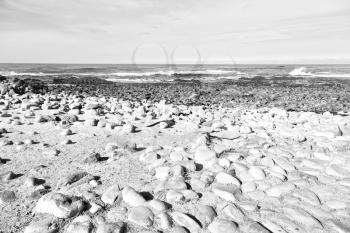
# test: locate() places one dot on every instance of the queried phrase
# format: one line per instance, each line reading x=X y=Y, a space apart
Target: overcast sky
x=179 y=31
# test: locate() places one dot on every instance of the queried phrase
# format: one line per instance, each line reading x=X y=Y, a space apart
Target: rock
x=205 y=214
x=81 y=224
x=132 y=198
x=157 y=205
x=92 y=158
x=117 y=213
x=338 y=226
x=42 y=226
x=31 y=181
x=164 y=221
x=141 y=216
x=303 y=217
x=94 y=208
x=111 y=194
x=162 y=173
x=235 y=213
x=280 y=189
x=91 y=122
x=59 y=205
x=178 y=229
x=257 y=173
x=222 y=226
x=109 y=228
x=224 y=193
x=67 y=132
x=128 y=128
x=307 y=196
x=336 y=204
x=174 y=196
x=7 y=197
x=224 y=178
x=256 y=227
x=8 y=176
x=185 y=221
x=204 y=154
x=51 y=152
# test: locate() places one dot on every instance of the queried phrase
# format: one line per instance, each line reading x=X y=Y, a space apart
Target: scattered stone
x=132 y=198
x=111 y=194
x=7 y=197
x=46 y=225
x=185 y=221
x=222 y=226
x=141 y=216
x=59 y=205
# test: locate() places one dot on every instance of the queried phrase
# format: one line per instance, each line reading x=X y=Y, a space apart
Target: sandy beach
x=211 y=161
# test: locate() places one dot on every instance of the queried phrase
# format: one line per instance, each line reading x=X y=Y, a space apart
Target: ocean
x=170 y=73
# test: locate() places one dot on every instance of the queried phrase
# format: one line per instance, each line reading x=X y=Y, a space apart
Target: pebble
x=280 y=189
x=132 y=198
x=302 y=217
x=235 y=213
x=222 y=226
x=117 y=213
x=157 y=205
x=111 y=194
x=59 y=205
x=204 y=154
x=7 y=197
x=185 y=221
x=81 y=224
x=141 y=216
x=223 y=193
x=224 y=178
x=45 y=225
x=257 y=173
x=205 y=214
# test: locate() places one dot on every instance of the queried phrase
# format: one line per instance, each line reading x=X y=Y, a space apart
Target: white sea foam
x=303 y=72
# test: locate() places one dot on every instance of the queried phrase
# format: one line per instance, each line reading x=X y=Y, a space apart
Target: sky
x=175 y=31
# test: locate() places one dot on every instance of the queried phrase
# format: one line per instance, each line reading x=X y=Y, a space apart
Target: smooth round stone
x=176 y=156
x=109 y=227
x=7 y=197
x=224 y=162
x=157 y=205
x=234 y=212
x=280 y=189
x=30 y=181
x=204 y=154
x=116 y=213
x=111 y=194
x=59 y=205
x=248 y=187
x=224 y=178
x=174 y=196
x=197 y=184
x=222 y=226
x=131 y=197
x=205 y=214
x=178 y=170
x=335 y=204
x=164 y=221
x=178 y=229
x=224 y=194
x=42 y=226
x=128 y=128
x=81 y=224
x=8 y=176
x=141 y=216
x=190 y=195
x=257 y=173
x=67 y=132
x=185 y=221
x=162 y=173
